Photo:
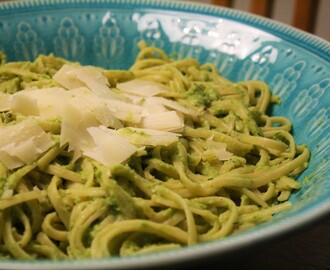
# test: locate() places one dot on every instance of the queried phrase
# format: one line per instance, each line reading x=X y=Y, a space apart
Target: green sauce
x=200 y=95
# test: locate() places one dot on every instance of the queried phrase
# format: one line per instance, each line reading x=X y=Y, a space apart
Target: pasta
x=164 y=155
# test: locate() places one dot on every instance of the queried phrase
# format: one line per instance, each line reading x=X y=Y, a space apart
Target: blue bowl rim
x=315 y=45
x=312 y=43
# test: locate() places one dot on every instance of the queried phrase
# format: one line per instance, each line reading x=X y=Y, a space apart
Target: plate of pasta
x=143 y=133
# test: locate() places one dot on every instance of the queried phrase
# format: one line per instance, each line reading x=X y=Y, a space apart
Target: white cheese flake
x=150 y=109
x=67 y=80
x=172 y=105
x=124 y=111
x=147 y=137
x=24 y=104
x=142 y=87
x=75 y=123
x=219 y=149
x=95 y=80
x=72 y=76
x=108 y=149
x=166 y=121
x=46 y=102
x=22 y=143
x=11 y=162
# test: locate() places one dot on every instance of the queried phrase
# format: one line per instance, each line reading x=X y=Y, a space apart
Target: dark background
x=306 y=249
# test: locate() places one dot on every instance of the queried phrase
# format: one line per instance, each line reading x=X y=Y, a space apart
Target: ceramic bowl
x=242 y=46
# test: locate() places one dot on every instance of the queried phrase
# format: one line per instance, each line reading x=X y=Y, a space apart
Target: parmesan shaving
x=108 y=149
x=147 y=137
x=22 y=143
x=166 y=121
x=142 y=87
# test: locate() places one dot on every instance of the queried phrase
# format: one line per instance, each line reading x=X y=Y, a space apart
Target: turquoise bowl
x=242 y=46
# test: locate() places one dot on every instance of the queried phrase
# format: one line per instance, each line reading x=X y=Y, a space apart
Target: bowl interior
x=243 y=47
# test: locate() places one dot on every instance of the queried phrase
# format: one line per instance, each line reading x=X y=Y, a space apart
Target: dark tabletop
x=306 y=249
